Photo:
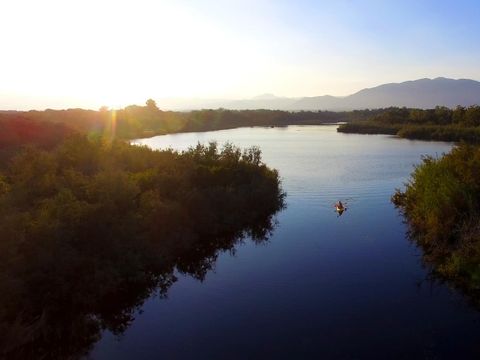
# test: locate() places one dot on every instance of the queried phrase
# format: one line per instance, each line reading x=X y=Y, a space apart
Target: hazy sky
x=86 y=53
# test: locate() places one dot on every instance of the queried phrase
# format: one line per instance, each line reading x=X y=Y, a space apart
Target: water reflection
x=70 y=328
x=441 y=271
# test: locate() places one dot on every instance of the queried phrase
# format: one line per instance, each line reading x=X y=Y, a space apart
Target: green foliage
x=440 y=124
x=142 y=121
x=90 y=229
x=441 y=203
x=369 y=127
x=17 y=131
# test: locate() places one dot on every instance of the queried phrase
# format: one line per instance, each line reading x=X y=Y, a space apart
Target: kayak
x=340 y=209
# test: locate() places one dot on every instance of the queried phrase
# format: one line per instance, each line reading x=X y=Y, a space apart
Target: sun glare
x=91 y=53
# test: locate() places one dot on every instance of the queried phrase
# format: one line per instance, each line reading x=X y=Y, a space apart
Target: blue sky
x=88 y=53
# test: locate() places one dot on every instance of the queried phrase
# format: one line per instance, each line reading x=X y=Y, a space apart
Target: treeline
x=466 y=117
x=91 y=228
x=441 y=123
x=141 y=121
x=16 y=132
x=441 y=203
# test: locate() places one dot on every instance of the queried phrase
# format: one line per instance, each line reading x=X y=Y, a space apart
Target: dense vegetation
x=17 y=132
x=441 y=123
x=92 y=227
x=142 y=121
x=441 y=203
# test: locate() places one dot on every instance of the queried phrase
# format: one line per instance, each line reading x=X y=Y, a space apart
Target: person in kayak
x=339 y=205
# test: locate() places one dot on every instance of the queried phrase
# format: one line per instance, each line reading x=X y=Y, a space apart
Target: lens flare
x=110 y=129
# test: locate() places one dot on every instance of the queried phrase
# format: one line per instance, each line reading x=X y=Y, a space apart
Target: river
x=323 y=286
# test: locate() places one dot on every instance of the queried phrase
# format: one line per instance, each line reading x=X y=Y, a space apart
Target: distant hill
x=422 y=93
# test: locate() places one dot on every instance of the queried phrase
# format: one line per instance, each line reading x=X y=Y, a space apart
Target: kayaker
x=339 y=205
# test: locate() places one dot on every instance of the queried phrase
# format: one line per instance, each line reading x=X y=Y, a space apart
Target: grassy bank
x=439 y=124
x=369 y=127
x=441 y=203
x=452 y=133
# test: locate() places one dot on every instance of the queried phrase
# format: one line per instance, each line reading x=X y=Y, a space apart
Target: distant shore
x=439 y=124
x=134 y=122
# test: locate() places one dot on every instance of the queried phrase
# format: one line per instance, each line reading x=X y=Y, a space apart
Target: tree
x=472 y=116
x=151 y=104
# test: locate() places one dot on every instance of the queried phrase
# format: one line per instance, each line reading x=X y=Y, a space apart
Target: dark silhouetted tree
x=151 y=104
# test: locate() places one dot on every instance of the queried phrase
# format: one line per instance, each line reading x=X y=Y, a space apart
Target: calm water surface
x=348 y=287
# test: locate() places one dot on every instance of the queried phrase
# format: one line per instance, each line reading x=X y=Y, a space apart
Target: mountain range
x=421 y=93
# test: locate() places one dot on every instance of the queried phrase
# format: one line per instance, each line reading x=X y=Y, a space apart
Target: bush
x=441 y=203
x=91 y=228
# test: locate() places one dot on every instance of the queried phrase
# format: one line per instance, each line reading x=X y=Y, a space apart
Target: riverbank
x=439 y=124
x=441 y=203
x=415 y=132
